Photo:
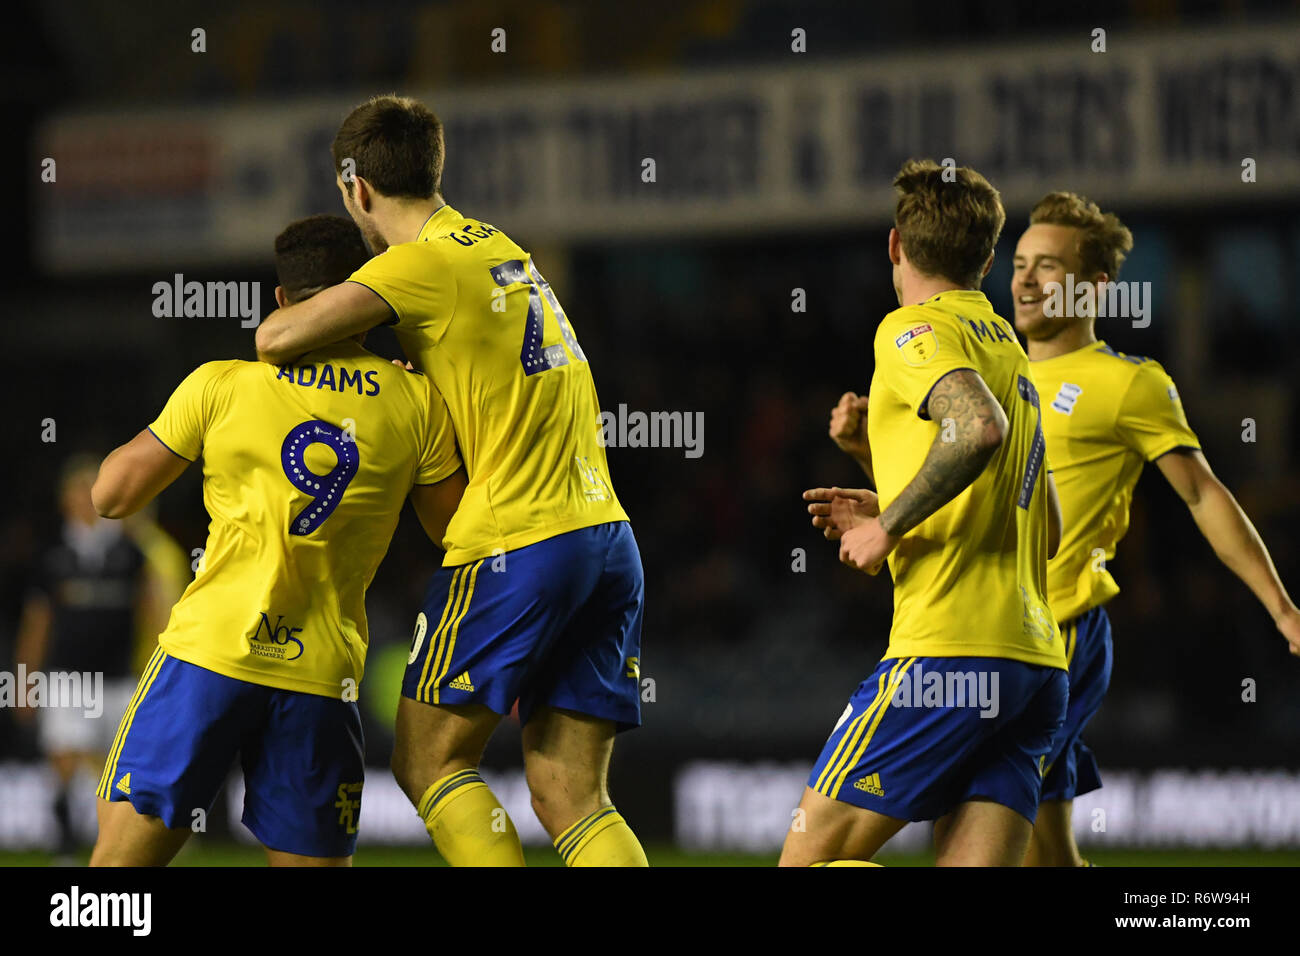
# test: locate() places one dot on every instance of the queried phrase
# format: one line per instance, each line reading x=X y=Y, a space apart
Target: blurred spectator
x=86 y=596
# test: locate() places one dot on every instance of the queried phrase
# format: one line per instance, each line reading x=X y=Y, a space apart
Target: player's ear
x=280 y=300
x=362 y=194
x=988 y=265
x=895 y=247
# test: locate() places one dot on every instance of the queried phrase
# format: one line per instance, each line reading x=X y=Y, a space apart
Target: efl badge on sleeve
x=918 y=344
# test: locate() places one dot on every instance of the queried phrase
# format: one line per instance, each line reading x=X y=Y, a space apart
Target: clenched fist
x=848 y=427
x=866 y=546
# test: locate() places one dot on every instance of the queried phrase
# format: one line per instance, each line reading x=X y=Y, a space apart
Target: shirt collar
x=958 y=293
x=441 y=212
x=1091 y=346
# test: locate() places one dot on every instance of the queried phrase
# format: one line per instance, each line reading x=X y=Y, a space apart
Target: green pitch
x=213 y=853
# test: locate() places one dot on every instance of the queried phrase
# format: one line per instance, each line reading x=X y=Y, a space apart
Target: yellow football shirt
x=970 y=580
x=1105 y=415
x=305 y=468
x=475 y=314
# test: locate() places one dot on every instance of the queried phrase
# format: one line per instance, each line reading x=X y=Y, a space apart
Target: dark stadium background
x=751 y=662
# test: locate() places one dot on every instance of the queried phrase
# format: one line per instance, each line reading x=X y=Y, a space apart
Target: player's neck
x=920 y=288
x=1069 y=339
x=408 y=218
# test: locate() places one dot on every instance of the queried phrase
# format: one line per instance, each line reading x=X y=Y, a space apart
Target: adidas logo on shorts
x=462 y=682
x=871 y=784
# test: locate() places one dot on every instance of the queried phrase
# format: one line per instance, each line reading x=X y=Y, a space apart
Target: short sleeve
x=912 y=353
x=1151 y=419
x=186 y=416
x=415 y=281
x=439 y=456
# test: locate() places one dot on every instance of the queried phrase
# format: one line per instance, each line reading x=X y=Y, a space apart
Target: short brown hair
x=948 y=227
x=317 y=252
x=1104 y=241
x=396 y=144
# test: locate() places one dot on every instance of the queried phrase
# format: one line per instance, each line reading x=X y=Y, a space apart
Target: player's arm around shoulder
x=337 y=313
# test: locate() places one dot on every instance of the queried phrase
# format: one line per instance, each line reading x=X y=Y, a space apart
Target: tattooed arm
x=972 y=425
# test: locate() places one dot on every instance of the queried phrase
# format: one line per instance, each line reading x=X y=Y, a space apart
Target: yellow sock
x=845 y=863
x=602 y=838
x=468 y=824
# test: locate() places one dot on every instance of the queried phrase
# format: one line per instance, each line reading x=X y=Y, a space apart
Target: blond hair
x=1104 y=241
